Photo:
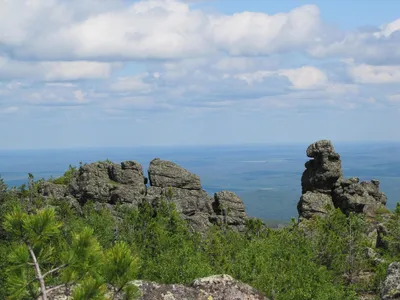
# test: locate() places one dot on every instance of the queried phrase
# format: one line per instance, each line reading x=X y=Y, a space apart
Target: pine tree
x=42 y=260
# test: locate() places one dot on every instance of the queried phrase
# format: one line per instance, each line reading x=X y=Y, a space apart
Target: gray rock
x=165 y=174
x=49 y=189
x=217 y=287
x=323 y=183
x=229 y=209
x=92 y=183
x=352 y=196
x=323 y=170
x=391 y=286
x=194 y=205
x=314 y=203
x=187 y=202
x=109 y=183
x=128 y=172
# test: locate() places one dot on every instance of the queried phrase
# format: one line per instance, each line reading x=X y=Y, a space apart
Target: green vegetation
x=46 y=243
x=67 y=177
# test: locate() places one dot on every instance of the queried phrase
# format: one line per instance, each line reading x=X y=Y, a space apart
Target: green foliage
x=94 y=246
x=169 y=252
x=120 y=267
x=41 y=255
x=67 y=177
x=339 y=242
x=3 y=189
x=90 y=288
x=392 y=238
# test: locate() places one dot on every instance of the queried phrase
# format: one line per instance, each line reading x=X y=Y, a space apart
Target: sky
x=118 y=73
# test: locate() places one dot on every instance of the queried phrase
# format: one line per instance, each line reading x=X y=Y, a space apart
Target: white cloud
x=56 y=30
x=54 y=70
x=374 y=74
x=379 y=46
x=132 y=84
x=251 y=33
x=9 y=110
x=306 y=77
x=388 y=29
x=394 y=98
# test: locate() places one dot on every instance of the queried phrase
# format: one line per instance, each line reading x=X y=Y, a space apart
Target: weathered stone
x=165 y=174
x=128 y=172
x=229 y=209
x=323 y=170
x=323 y=183
x=49 y=189
x=351 y=196
x=194 y=205
x=217 y=287
x=93 y=183
x=391 y=286
x=314 y=203
x=109 y=183
x=187 y=202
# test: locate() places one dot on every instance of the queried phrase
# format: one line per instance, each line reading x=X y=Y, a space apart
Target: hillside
x=340 y=247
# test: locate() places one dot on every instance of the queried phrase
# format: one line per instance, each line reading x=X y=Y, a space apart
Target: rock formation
x=391 y=286
x=322 y=171
x=323 y=185
x=217 y=287
x=112 y=183
x=365 y=197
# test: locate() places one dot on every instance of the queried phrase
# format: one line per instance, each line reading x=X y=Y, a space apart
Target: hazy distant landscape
x=266 y=177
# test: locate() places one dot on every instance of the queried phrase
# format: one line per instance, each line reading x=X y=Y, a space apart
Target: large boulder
x=391 y=286
x=187 y=202
x=323 y=170
x=164 y=174
x=352 y=196
x=314 y=203
x=109 y=183
x=49 y=189
x=230 y=210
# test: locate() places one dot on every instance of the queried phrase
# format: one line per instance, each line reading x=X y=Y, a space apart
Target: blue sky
x=163 y=72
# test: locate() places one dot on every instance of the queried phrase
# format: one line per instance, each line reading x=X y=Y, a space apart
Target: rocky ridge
x=125 y=183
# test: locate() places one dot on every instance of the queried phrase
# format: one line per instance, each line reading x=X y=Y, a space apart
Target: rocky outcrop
x=110 y=183
x=314 y=203
x=49 y=189
x=230 y=210
x=164 y=173
x=323 y=185
x=323 y=170
x=321 y=173
x=391 y=286
x=217 y=287
x=176 y=184
x=352 y=196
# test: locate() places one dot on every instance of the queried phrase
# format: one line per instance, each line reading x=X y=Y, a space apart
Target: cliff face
x=125 y=183
x=323 y=185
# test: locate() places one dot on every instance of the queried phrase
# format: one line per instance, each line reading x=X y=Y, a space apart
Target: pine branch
x=39 y=275
x=54 y=270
